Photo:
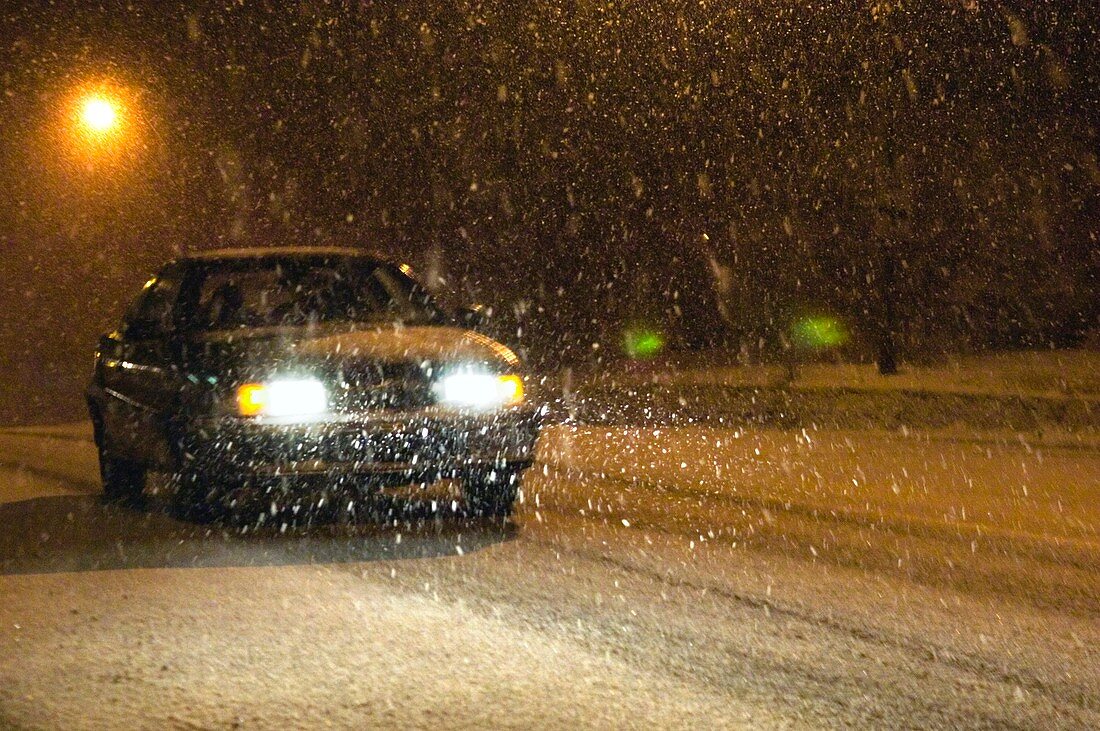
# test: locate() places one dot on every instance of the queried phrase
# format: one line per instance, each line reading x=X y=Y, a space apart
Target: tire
x=123 y=479
x=491 y=493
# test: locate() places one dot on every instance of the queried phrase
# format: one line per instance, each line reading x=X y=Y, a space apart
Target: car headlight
x=480 y=390
x=282 y=397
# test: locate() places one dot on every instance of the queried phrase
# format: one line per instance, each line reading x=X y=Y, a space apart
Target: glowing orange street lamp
x=99 y=114
x=99 y=117
x=101 y=130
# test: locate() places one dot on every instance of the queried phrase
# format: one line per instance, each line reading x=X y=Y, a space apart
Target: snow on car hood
x=436 y=344
x=252 y=353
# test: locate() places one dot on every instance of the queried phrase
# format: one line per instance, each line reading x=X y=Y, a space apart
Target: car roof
x=258 y=252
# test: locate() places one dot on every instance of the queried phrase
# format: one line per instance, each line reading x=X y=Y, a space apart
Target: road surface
x=685 y=578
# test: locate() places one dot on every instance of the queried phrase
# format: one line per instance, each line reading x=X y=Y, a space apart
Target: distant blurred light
x=99 y=114
x=643 y=342
x=819 y=331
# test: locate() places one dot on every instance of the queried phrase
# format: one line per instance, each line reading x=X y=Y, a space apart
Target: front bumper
x=414 y=445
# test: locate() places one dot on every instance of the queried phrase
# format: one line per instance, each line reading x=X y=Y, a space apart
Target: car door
x=140 y=376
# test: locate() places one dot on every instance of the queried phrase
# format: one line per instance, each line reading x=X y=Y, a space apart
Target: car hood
x=251 y=353
x=436 y=344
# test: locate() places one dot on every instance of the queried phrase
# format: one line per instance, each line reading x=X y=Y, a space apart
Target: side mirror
x=106 y=344
x=474 y=317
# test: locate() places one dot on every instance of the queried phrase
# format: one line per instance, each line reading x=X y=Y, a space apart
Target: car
x=255 y=371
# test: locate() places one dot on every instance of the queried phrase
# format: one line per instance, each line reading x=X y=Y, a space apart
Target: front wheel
x=123 y=479
x=491 y=493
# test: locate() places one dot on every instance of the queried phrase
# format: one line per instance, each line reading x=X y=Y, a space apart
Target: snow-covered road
x=680 y=578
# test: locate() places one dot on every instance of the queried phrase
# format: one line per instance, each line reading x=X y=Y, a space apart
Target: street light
x=101 y=132
x=99 y=115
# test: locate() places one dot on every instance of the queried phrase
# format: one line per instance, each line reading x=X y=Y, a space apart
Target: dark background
x=712 y=170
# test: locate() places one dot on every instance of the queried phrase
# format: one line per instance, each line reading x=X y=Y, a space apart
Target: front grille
x=413 y=444
x=373 y=386
x=393 y=447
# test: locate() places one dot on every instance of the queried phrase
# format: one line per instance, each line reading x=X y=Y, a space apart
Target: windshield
x=299 y=290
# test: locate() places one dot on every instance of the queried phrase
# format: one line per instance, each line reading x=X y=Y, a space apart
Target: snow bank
x=1028 y=391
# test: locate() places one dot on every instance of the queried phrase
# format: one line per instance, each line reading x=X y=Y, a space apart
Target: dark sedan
x=246 y=371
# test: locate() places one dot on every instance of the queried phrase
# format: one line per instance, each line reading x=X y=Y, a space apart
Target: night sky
x=712 y=172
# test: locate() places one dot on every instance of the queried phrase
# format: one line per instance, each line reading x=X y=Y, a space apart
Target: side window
x=153 y=312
